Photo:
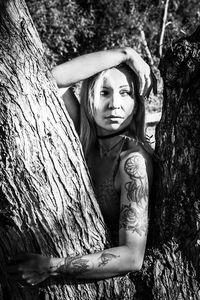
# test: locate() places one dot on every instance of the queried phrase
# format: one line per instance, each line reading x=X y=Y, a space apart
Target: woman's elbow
x=136 y=264
x=134 y=258
x=57 y=76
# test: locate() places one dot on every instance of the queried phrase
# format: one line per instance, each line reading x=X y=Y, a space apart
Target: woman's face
x=115 y=105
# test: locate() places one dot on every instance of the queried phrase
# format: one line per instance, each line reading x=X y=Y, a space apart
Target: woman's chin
x=113 y=127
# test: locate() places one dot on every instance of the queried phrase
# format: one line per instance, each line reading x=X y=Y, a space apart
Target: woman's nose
x=114 y=101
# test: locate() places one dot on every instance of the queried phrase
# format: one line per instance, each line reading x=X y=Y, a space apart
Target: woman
x=111 y=127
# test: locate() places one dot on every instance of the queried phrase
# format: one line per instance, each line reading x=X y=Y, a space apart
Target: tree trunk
x=176 y=211
x=47 y=202
x=171 y=269
x=145 y=45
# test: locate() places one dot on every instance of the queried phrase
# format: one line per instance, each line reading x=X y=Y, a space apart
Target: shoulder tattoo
x=135 y=166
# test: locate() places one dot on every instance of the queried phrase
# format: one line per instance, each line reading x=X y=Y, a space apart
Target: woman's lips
x=114 y=117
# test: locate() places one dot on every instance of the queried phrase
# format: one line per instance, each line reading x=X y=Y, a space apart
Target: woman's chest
x=103 y=172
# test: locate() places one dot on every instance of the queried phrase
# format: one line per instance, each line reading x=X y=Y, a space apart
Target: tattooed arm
x=134 y=206
x=34 y=268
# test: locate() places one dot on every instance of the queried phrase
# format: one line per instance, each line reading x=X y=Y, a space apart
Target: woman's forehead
x=119 y=77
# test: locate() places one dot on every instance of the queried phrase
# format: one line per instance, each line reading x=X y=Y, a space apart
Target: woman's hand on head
x=31 y=269
x=147 y=79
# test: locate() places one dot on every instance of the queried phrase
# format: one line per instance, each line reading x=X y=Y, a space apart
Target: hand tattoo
x=133 y=216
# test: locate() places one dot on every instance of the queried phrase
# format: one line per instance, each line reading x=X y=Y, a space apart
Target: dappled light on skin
x=116 y=102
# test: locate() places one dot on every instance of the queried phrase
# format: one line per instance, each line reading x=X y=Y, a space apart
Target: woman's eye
x=104 y=93
x=125 y=92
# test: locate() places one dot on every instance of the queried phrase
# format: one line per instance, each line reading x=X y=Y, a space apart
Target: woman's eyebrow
x=104 y=87
x=126 y=85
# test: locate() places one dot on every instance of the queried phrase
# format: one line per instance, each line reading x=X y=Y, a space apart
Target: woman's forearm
x=33 y=268
x=105 y=264
x=87 y=65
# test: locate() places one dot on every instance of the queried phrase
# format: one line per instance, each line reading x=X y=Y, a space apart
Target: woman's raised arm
x=87 y=65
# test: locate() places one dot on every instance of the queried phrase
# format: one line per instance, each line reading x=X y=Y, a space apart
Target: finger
x=28 y=279
x=35 y=280
x=31 y=282
x=141 y=84
x=30 y=275
x=23 y=284
x=147 y=86
x=154 y=83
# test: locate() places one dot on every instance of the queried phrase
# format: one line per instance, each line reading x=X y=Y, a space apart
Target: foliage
x=183 y=18
x=64 y=27
x=69 y=28
x=72 y=27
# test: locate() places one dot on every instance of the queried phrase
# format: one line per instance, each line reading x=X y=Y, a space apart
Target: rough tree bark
x=171 y=269
x=47 y=204
x=176 y=217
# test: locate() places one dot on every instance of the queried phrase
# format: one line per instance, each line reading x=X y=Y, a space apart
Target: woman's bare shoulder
x=136 y=154
x=136 y=147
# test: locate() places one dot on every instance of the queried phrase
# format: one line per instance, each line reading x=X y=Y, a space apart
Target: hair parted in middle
x=90 y=91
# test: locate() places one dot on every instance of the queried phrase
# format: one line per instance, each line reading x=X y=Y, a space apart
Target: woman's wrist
x=64 y=266
x=141 y=69
x=72 y=266
x=134 y=60
x=56 y=265
x=129 y=54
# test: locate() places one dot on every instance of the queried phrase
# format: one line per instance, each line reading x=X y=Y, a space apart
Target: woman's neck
x=111 y=135
x=110 y=146
x=110 y=142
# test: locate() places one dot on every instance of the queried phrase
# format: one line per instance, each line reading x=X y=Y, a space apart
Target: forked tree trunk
x=47 y=204
x=176 y=229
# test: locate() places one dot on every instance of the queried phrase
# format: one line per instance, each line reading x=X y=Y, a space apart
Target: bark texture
x=47 y=204
x=175 y=231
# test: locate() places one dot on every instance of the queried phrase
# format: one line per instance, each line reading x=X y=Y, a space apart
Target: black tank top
x=103 y=179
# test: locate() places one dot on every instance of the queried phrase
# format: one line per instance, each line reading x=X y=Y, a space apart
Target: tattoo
x=134 y=191
x=74 y=266
x=134 y=214
x=105 y=258
x=135 y=167
x=132 y=220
